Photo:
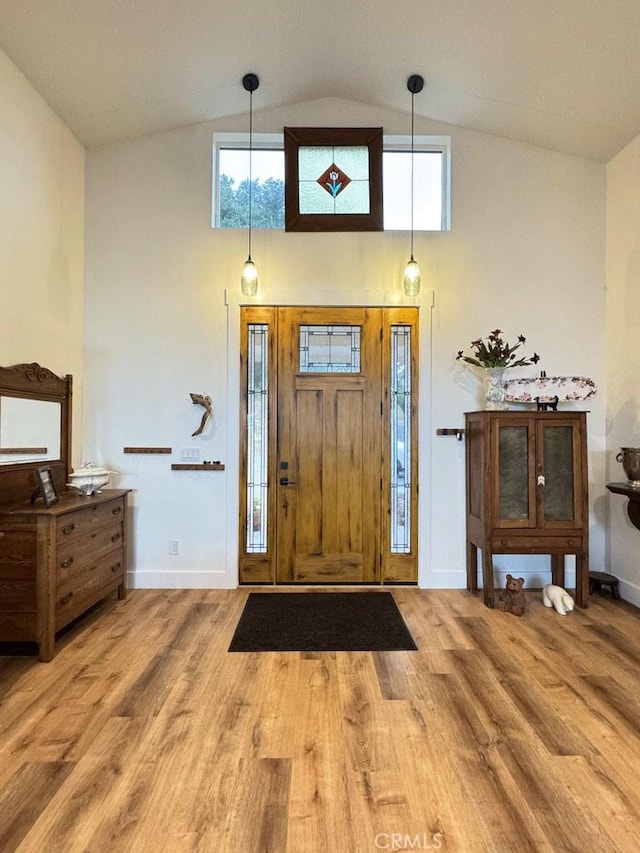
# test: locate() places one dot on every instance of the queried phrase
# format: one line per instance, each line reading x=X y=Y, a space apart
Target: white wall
x=41 y=235
x=526 y=253
x=623 y=356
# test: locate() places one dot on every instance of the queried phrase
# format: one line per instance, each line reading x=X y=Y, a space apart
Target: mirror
x=30 y=430
x=35 y=428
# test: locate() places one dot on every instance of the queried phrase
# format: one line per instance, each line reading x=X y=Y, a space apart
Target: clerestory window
x=431 y=197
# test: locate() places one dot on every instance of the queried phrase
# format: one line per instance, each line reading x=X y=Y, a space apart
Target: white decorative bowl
x=89 y=479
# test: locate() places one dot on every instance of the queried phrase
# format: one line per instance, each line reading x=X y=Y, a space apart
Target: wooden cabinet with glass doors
x=527 y=492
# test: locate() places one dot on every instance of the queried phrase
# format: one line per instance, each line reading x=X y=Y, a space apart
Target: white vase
x=495 y=391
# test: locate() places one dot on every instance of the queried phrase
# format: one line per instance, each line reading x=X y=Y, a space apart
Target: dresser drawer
x=93 y=583
x=82 y=553
x=538 y=544
x=76 y=524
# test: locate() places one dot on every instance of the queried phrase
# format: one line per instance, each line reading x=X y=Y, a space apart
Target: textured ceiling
x=564 y=75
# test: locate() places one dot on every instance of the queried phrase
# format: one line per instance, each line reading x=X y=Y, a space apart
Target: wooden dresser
x=56 y=563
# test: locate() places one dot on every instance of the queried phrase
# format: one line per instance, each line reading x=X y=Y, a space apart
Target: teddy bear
x=556 y=596
x=512 y=599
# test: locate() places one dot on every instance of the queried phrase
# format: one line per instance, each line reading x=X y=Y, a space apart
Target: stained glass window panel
x=333 y=179
x=329 y=349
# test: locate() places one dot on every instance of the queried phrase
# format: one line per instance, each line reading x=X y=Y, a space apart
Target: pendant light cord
x=412 y=158
x=250 y=164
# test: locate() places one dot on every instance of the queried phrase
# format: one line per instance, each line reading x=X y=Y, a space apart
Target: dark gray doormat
x=321 y=622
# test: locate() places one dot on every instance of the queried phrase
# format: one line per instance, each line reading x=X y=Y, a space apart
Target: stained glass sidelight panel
x=400 y=440
x=329 y=349
x=257 y=426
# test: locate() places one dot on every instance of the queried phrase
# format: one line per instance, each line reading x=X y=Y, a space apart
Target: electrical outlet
x=174 y=547
x=191 y=454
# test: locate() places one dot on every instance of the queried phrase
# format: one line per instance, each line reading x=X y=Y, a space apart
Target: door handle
x=285 y=481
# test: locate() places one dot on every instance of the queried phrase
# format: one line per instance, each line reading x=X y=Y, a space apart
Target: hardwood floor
x=499 y=734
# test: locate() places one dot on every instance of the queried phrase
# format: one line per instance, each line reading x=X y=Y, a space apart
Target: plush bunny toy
x=556 y=596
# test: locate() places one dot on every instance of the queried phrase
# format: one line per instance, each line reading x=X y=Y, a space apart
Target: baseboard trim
x=179 y=580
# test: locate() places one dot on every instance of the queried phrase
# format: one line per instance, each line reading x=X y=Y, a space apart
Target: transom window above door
x=230 y=188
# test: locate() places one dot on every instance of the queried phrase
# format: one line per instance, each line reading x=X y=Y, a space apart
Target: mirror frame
x=34 y=382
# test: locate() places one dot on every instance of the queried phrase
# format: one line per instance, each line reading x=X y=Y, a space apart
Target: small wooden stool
x=599 y=579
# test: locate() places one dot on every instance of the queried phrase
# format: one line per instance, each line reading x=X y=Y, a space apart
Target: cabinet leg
x=472 y=567
x=582 y=579
x=557 y=569
x=45 y=649
x=487 y=579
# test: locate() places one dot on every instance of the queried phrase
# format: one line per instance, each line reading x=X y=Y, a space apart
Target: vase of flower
x=495 y=390
x=494 y=355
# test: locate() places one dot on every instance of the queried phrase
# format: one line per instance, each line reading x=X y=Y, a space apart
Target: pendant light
x=249 y=277
x=412 y=270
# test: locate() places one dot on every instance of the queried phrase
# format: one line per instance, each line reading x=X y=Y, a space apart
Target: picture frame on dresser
x=46 y=486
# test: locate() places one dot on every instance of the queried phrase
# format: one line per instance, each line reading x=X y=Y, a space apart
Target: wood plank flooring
x=500 y=734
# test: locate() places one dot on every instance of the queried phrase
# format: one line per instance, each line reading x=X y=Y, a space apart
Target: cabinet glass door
x=558 y=467
x=514 y=478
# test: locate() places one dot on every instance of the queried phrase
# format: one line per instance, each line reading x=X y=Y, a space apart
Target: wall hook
x=458 y=432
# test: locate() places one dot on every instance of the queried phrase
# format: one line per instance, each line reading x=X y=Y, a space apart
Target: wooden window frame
x=296 y=137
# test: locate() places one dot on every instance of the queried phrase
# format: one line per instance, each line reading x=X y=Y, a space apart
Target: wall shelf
x=146 y=450
x=633 y=506
x=204 y=466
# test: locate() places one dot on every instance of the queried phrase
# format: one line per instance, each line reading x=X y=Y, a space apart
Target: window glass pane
x=267 y=192
x=400 y=440
x=312 y=161
x=329 y=349
x=427 y=190
x=257 y=427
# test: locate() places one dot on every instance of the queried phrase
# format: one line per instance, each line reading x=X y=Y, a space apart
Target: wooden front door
x=328 y=479
x=329 y=445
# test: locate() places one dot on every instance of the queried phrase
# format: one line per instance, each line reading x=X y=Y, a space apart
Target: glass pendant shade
x=412 y=278
x=249 y=278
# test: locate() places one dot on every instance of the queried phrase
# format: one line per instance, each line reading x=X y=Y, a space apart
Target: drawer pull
x=66 y=598
x=116 y=567
x=115 y=537
x=67 y=529
x=116 y=510
x=66 y=563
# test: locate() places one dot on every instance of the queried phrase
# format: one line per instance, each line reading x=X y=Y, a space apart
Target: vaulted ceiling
x=563 y=74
